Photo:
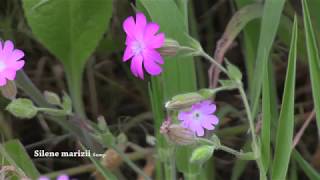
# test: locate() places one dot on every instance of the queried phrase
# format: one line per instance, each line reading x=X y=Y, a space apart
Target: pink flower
x=141 y=44
x=10 y=61
x=199 y=117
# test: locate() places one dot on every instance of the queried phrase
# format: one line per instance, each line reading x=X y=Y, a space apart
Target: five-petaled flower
x=199 y=117
x=10 y=61
x=141 y=44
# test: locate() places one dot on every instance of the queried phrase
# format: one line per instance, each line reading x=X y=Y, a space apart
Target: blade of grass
x=286 y=119
x=269 y=26
x=305 y=166
x=266 y=122
x=14 y=154
x=313 y=59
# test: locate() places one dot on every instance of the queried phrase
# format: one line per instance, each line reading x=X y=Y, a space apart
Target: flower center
x=196 y=115
x=137 y=47
x=2 y=65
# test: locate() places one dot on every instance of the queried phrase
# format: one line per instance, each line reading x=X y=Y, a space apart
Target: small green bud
x=233 y=72
x=52 y=98
x=9 y=91
x=22 y=108
x=170 y=48
x=184 y=101
x=202 y=154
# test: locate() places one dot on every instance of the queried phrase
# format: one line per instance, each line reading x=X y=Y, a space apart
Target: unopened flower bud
x=170 y=48
x=52 y=98
x=184 y=101
x=9 y=90
x=178 y=134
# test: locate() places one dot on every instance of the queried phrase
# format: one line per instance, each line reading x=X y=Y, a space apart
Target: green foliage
x=201 y=154
x=307 y=168
x=13 y=153
x=71 y=31
x=313 y=59
x=286 y=120
x=22 y=108
x=269 y=25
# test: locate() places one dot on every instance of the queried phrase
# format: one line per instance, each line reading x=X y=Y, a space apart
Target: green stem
x=255 y=147
x=54 y=112
x=250 y=119
x=75 y=88
x=206 y=56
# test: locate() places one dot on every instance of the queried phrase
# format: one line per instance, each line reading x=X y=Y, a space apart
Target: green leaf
x=269 y=25
x=22 y=108
x=305 y=166
x=14 y=154
x=313 y=59
x=70 y=30
x=202 y=154
x=266 y=121
x=286 y=119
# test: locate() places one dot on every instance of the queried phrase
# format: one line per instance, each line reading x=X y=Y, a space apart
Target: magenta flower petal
x=16 y=55
x=155 y=55
x=141 y=22
x=207 y=107
x=141 y=43
x=129 y=27
x=9 y=74
x=63 y=177
x=199 y=117
x=128 y=53
x=3 y=81
x=150 y=63
x=151 y=30
x=157 y=41
x=136 y=66
x=10 y=61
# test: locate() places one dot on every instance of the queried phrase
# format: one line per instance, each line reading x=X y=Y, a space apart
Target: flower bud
x=9 y=91
x=52 y=98
x=184 y=101
x=170 y=48
x=22 y=108
x=178 y=134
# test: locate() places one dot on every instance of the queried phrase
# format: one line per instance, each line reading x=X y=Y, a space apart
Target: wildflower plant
x=188 y=121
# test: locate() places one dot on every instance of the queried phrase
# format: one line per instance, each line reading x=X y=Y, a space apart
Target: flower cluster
x=10 y=61
x=141 y=44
